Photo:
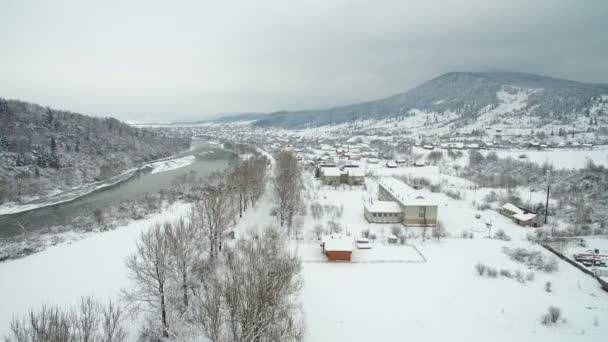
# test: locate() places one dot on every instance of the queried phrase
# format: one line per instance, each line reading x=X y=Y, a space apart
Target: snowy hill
x=45 y=151
x=459 y=99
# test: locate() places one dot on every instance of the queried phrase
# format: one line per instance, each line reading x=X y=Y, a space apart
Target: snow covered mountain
x=461 y=99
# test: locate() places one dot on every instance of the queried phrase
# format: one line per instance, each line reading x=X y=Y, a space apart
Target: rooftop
x=376 y=206
x=512 y=208
x=524 y=217
x=338 y=242
x=331 y=171
x=404 y=193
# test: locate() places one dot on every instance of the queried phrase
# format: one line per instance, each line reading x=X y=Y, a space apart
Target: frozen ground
x=61 y=274
x=367 y=300
x=445 y=300
x=566 y=159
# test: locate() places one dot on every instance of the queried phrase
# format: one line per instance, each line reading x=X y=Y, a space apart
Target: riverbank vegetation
x=246 y=179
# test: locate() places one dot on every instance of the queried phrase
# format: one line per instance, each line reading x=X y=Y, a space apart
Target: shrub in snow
x=483 y=206
x=435 y=187
x=365 y=233
x=491 y=272
x=334 y=227
x=530 y=276
x=438 y=230
x=467 y=235
x=480 y=268
x=550 y=266
x=552 y=316
x=453 y=194
x=519 y=276
x=506 y=273
x=501 y=235
x=531 y=258
x=548 y=287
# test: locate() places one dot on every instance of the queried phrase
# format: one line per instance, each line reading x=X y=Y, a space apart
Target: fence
x=602 y=282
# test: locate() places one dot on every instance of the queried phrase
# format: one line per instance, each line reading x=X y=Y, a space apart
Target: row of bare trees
x=245 y=293
x=90 y=321
x=249 y=178
x=190 y=281
x=288 y=187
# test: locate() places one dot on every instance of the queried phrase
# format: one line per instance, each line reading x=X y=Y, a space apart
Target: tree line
x=192 y=278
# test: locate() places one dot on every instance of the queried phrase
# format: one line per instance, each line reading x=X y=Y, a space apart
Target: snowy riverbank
x=61 y=274
x=157 y=167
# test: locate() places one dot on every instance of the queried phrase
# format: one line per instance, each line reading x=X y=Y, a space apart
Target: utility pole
x=548 y=189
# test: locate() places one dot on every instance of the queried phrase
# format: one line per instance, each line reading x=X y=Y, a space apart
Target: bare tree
x=90 y=321
x=287 y=184
x=212 y=212
x=111 y=323
x=251 y=294
x=438 y=230
x=185 y=257
x=149 y=267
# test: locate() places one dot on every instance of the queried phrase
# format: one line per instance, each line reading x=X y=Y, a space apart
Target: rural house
x=337 y=247
x=520 y=216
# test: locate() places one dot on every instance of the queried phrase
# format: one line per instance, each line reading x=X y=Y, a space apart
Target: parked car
x=363 y=243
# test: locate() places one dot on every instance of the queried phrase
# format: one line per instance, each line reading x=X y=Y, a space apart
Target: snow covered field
x=564 y=159
x=445 y=300
x=388 y=294
x=61 y=274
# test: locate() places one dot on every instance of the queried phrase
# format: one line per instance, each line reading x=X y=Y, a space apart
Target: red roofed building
x=337 y=247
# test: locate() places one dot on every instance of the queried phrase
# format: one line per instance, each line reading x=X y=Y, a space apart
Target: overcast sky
x=171 y=60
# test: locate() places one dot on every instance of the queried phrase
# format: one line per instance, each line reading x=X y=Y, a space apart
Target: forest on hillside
x=43 y=150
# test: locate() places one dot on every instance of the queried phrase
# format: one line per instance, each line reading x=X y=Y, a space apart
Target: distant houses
x=332 y=175
x=520 y=216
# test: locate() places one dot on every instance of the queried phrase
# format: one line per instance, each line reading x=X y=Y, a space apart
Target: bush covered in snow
x=501 y=235
x=532 y=259
x=553 y=316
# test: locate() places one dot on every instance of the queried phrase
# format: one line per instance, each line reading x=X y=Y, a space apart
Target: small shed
x=337 y=247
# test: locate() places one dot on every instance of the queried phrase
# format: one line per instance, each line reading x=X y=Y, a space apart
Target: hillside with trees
x=462 y=98
x=45 y=151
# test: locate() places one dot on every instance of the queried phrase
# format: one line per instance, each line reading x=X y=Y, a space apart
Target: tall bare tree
x=252 y=294
x=150 y=269
x=185 y=257
x=287 y=184
x=212 y=212
x=90 y=321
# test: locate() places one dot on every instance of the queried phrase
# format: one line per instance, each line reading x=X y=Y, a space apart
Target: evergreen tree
x=20 y=160
x=53 y=158
x=48 y=117
x=4 y=144
x=4 y=106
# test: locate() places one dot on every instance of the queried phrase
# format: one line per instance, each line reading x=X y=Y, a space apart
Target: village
x=367 y=205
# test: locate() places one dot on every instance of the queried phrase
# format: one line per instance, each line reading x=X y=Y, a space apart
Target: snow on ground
x=61 y=274
x=560 y=158
x=389 y=294
x=445 y=300
x=171 y=164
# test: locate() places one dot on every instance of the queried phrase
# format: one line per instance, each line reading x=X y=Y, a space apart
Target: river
x=209 y=158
